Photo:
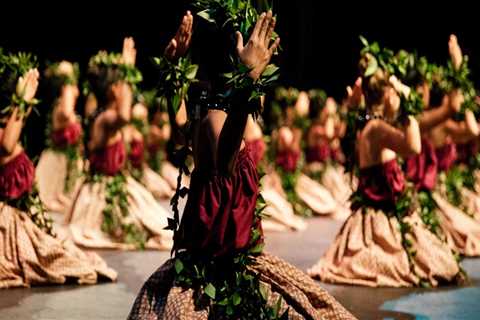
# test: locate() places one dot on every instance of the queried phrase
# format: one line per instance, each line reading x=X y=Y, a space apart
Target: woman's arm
x=256 y=55
x=65 y=111
x=26 y=88
x=11 y=134
x=463 y=131
x=385 y=136
x=431 y=118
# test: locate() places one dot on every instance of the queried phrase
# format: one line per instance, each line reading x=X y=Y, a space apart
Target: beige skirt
x=318 y=198
x=86 y=217
x=50 y=176
x=336 y=181
x=462 y=232
x=29 y=256
x=368 y=251
x=161 y=299
x=156 y=184
x=280 y=214
x=170 y=173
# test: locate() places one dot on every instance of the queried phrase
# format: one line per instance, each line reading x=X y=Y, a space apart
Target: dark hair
x=100 y=78
x=436 y=94
x=212 y=49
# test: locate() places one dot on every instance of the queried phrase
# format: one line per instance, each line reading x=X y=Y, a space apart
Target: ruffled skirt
x=161 y=299
x=170 y=173
x=318 y=198
x=462 y=232
x=156 y=184
x=29 y=256
x=368 y=251
x=51 y=174
x=86 y=217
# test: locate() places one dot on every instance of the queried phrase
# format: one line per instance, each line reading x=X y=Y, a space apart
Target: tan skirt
x=50 y=176
x=280 y=214
x=86 y=217
x=462 y=232
x=170 y=173
x=156 y=184
x=471 y=201
x=29 y=256
x=368 y=251
x=160 y=299
x=317 y=197
x=336 y=181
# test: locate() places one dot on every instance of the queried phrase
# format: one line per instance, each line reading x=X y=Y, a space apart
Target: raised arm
x=404 y=142
x=27 y=87
x=450 y=105
x=256 y=55
x=65 y=110
x=463 y=131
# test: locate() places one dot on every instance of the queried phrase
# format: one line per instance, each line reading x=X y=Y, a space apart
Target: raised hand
x=456 y=100
x=123 y=95
x=129 y=53
x=455 y=52
x=178 y=46
x=399 y=86
x=392 y=99
x=354 y=96
x=302 y=105
x=256 y=54
x=27 y=85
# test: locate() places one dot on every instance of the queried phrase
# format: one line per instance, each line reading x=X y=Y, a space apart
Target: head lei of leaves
x=12 y=67
x=403 y=65
x=104 y=69
x=283 y=98
x=318 y=97
x=57 y=75
x=239 y=15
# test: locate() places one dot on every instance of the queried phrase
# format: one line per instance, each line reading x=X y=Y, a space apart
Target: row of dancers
x=396 y=159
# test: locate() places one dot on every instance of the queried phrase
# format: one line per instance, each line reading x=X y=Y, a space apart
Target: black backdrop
x=319 y=39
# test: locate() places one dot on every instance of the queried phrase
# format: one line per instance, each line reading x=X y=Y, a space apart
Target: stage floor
x=113 y=300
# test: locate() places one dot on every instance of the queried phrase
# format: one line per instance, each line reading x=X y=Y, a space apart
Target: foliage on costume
x=289 y=182
x=32 y=206
x=241 y=87
x=71 y=152
x=226 y=285
x=12 y=67
x=175 y=78
x=427 y=208
x=455 y=179
x=116 y=211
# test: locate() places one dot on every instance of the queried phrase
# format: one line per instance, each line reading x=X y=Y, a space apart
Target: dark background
x=319 y=39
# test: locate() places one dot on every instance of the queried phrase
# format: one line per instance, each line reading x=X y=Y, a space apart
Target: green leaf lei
x=30 y=204
x=128 y=73
x=116 y=210
x=175 y=77
x=71 y=152
x=399 y=65
x=289 y=182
